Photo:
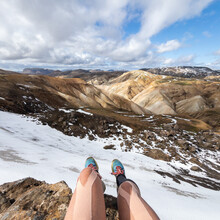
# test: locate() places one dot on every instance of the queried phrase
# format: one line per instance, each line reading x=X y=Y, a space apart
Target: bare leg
x=131 y=205
x=87 y=202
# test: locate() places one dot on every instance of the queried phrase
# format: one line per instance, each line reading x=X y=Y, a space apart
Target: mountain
x=184 y=71
x=180 y=71
x=33 y=93
x=7 y=72
x=88 y=75
x=138 y=99
x=37 y=71
x=171 y=95
x=165 y=129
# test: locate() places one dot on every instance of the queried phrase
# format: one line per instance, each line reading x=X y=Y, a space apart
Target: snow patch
x=66 y=111
x=84 y=112
x=130 y=130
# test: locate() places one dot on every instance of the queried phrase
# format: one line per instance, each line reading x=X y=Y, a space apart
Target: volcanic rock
x=158 y=154
x=32 y=199
x=195 y=168
x=29 y=198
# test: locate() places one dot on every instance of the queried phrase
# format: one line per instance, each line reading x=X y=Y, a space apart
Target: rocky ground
x=159 y=137
x=32 y=199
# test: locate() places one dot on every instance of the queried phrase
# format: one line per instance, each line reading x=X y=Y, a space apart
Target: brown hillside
x=166 y=94
x=16 y=90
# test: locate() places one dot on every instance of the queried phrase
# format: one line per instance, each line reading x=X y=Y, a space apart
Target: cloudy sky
x=109 y=34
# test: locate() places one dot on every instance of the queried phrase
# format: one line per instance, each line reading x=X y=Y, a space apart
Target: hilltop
x=179 y=71
x=160 y=94
x=184 y=71
x=101 y=75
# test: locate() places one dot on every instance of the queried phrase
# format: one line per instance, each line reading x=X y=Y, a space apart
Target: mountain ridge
x=184 y=71
x=178 y=71
x=137 y=91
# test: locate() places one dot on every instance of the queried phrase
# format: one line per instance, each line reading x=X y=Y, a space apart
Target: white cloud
x=217 y=52
x=159 y=14
x=187 y=36
x=168 y=46
x=215 y=64
x=87 y=32
x=168 y=61
x=182 y=60
x=186 y=59
x=206 y=34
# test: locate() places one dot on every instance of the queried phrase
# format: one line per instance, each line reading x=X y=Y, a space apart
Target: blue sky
x=199 y=36
x=110 y=34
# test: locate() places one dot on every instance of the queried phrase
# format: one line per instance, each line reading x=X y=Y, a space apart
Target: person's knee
x=126 y=186
x=84 y=175
x=129 y=187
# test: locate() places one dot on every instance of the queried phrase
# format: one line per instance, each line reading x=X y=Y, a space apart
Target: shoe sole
x=112 y=165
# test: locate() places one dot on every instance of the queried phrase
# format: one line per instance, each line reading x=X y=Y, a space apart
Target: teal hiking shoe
x=90 y=162
x=117 y=168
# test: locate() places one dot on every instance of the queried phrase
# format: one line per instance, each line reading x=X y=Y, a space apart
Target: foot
x=117 y=168
x=90 y=162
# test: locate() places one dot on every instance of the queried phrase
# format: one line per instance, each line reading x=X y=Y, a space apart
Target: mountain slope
x=130 y=83
x=33 y=92
x=29 y=148
x=166 y=94
x=184 y=71
x=155 y=100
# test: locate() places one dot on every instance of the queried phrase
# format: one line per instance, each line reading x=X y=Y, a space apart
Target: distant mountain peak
x=184 y=71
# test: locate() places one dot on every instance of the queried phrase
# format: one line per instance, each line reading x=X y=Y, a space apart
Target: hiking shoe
x=90 y=162
x=117 y=168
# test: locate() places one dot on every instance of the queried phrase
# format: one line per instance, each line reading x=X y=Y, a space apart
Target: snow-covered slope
x=185 y=71
x=28 y=148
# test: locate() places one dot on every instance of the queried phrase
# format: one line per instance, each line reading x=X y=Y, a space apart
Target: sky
x=109 y=34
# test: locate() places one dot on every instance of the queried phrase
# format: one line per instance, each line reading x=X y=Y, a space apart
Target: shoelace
x=118 y=171
x=93 y=167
